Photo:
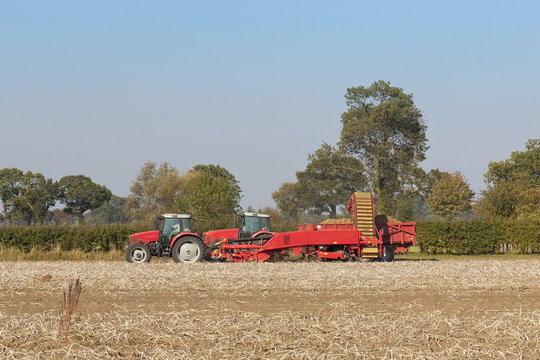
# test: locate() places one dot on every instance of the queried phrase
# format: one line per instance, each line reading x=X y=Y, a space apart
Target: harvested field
x=446 y=309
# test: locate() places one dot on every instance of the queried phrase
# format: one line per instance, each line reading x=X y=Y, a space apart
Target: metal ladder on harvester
x=364 y=215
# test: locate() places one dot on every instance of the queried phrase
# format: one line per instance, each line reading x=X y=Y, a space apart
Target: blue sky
x=99 y=88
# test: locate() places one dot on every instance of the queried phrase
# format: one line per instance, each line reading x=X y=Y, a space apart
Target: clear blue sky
x=100 y=87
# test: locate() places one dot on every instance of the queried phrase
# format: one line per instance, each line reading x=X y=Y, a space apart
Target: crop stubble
x=464 y=308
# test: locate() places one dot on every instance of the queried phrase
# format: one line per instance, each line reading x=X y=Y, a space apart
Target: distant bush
x=479 y=237
x=67 y=237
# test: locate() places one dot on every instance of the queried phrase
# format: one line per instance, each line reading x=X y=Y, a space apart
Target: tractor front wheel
x=188 y=249
x=138 y=253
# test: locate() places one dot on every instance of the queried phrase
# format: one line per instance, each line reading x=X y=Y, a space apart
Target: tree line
x=382 y=143
x=27 y=196
x=209 y=192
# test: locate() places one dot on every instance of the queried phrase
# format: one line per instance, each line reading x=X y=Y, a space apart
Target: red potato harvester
x=361 y=238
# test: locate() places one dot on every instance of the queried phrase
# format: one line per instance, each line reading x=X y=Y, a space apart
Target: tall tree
x=499 y=201
x=210 y=193
x=513 y=185
x=385 y=130
x=60 y=217
x=27 y=196
x=38 y=194
x=112 y=212
x=10 y=181
x=278 y=221
x=289 y=200
x=80 y=194
x=20 y=215
x=218 y=172
x=153 y=192
x=329 y=179
x=449 y=195
x=522 y=166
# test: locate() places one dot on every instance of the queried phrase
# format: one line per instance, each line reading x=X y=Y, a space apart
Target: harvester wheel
x=138 y=253
x=188 y=249
x=387 y=254
x=346 y=255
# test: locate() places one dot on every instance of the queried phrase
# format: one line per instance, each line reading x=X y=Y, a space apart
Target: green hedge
x=478 y=237
x=460 y=238
x=67 y=237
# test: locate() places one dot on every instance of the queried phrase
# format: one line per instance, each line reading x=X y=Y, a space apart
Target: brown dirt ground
x=458 y=308
x=32 y=298
x=32 y=301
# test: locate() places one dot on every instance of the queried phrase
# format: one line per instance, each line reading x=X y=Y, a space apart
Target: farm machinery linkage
x=362 y=238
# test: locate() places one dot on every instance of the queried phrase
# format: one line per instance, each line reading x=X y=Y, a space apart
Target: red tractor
x=173 y=237
x=254 y=227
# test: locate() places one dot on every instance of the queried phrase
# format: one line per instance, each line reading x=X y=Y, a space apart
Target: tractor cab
x=170 y=225
x=252 y=223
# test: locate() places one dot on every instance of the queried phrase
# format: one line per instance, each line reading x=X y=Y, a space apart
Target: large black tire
x=387 y=254
x=346 y=255
x=263 y=236
x=188 y=249
x=138 y=253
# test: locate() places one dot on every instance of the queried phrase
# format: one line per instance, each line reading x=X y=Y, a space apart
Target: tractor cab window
x=174 y=226
x=265 y=223
x=253 y=224
x=171 y=227
x=186 y=225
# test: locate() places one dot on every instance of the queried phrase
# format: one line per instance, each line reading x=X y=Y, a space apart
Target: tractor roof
x=176 y=216
x=256 y=214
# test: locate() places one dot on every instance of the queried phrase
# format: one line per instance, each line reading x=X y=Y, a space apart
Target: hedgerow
x=67 y=237
x=478 y=237
x=459 y=238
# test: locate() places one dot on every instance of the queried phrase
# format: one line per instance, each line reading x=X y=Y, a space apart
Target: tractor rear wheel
x=387 y=254
x=188 y=249
x=138 y=253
